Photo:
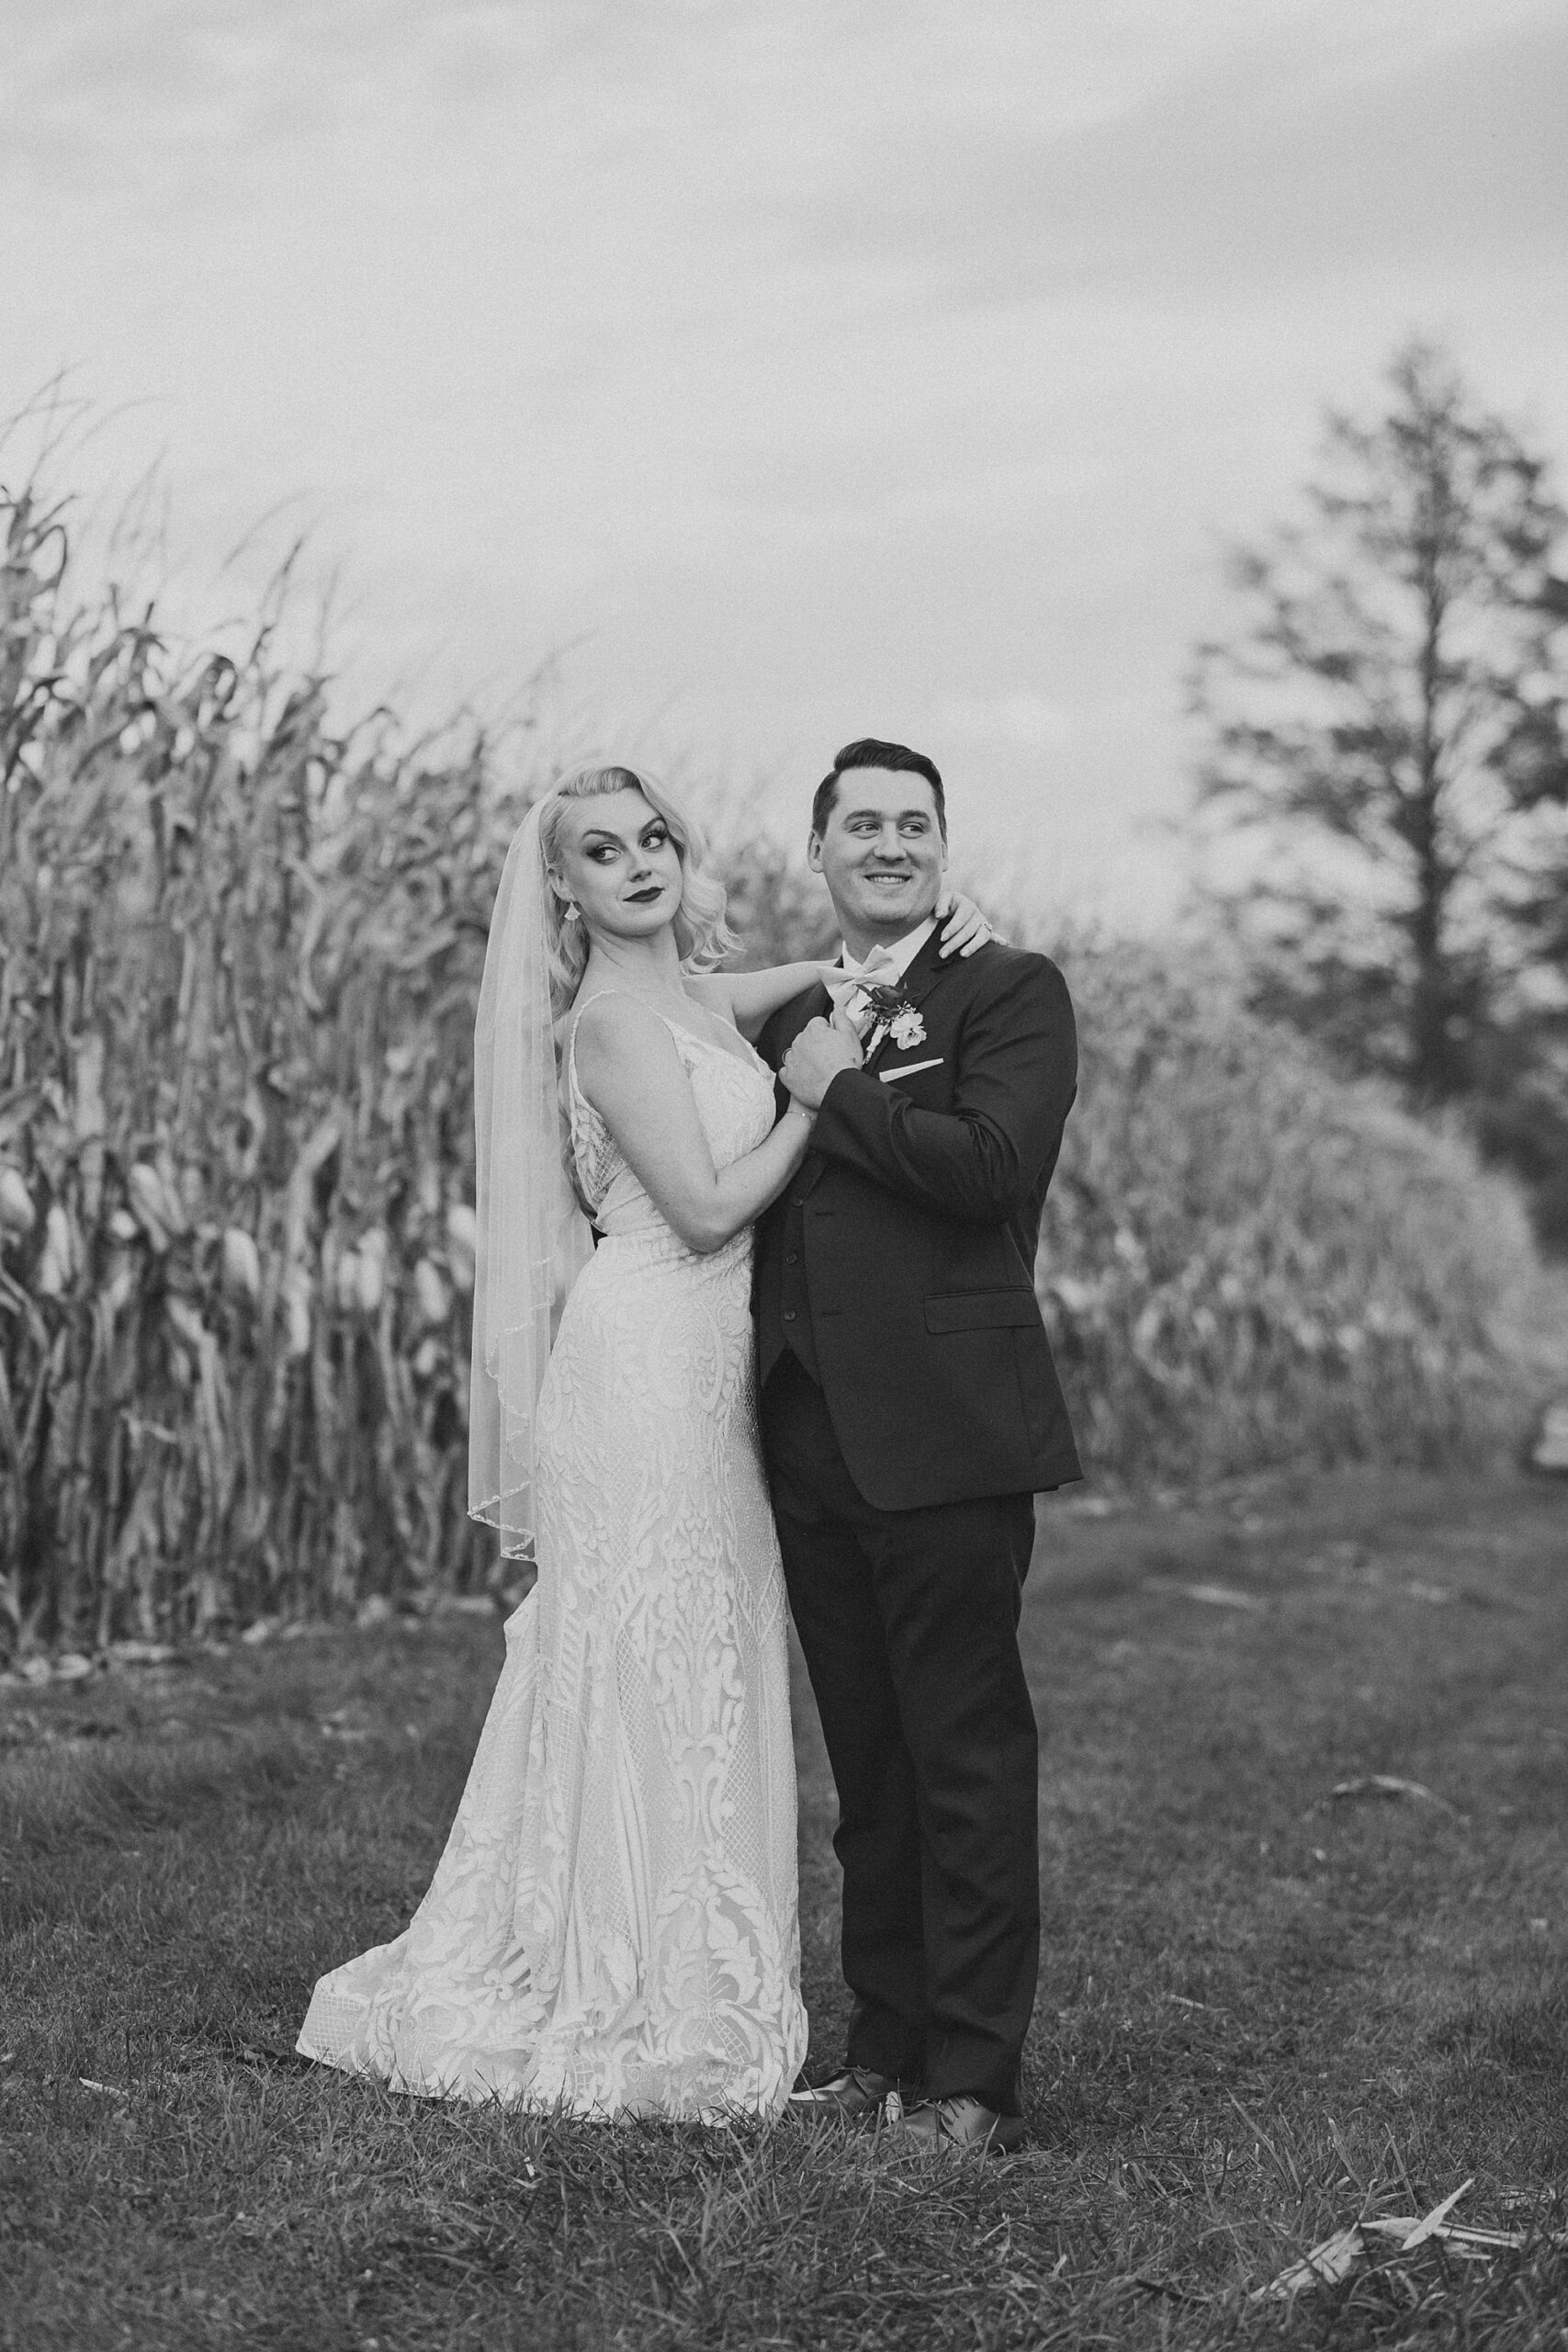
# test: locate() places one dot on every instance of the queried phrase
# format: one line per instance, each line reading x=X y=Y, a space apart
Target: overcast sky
x=804 y=370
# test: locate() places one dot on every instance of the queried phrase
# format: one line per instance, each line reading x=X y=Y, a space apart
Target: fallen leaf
x=1335 y=2257
x=1327 y=2263
x=1386 y=1784
x=1400 y=2227
x=1431 y=2223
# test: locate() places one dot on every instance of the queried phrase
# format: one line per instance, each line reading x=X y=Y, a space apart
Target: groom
x=909 y=1412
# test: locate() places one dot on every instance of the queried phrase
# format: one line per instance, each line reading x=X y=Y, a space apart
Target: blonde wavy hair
x=702 y=935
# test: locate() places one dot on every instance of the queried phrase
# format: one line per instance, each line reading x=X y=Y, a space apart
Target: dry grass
x=1263 y=2012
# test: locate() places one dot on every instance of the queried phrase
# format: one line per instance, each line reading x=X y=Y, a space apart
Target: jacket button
x=789 y=1315
x=798 y=1200
x=793 y=1259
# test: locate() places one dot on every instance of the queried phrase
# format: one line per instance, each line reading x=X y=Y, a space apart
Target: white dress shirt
x=901 y=955
x=883 y=967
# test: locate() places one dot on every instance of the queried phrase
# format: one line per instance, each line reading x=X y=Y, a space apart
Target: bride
x=612 y=1928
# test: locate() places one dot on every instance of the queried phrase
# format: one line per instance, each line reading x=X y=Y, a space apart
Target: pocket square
x=905 y=1070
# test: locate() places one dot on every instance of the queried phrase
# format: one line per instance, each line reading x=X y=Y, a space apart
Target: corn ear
x=18 y=1214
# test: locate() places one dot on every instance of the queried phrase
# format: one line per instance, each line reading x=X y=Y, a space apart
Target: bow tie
x=879 y=970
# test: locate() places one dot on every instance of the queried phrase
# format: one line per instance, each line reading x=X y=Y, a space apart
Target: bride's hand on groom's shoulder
x=964 y=927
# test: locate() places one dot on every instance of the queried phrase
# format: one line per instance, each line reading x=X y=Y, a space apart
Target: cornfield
x=238 y=961
x=239 y=956
x=1247 y=1260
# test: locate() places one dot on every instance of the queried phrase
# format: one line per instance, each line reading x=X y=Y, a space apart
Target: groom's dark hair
x=867 y=752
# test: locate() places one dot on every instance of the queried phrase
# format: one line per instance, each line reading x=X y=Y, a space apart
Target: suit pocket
x=981 y=1310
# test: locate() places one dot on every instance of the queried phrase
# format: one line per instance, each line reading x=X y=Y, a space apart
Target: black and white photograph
x=784 y=1175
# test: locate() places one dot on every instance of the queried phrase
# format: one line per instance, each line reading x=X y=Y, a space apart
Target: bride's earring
x=570 y=912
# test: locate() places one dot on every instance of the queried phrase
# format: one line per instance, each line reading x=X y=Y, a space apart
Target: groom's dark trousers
x=910 y=1411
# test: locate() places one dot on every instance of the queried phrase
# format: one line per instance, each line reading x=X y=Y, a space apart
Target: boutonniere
x=890 y=1009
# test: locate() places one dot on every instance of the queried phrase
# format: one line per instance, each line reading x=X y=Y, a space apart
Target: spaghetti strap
x=573 y=1085
x=599 y=994
x=594 y=1155
x=595 y=1160
x=748 y=1055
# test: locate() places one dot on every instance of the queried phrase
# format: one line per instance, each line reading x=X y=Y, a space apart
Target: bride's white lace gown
x=613 y=1925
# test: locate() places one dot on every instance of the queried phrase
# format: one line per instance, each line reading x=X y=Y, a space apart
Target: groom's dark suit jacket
x=898 y=1265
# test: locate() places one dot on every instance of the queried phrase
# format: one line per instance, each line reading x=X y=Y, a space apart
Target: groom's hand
x=820 y=1052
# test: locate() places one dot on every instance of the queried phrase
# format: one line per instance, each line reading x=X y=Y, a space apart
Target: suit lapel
x=928 y=968
x=814 y=1004
x=917 y=984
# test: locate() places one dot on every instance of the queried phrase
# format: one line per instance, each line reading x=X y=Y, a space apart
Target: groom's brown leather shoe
x=845 y=2097
x=962 y=2127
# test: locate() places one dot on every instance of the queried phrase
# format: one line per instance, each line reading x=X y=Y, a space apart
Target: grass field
x=1264 y=2011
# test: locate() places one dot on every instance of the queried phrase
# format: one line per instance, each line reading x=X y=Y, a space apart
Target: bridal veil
x=533 y=1238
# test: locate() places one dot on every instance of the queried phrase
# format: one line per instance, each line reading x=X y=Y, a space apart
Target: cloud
x=1026 y=722
x=1299 y=154
x=859 y=362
